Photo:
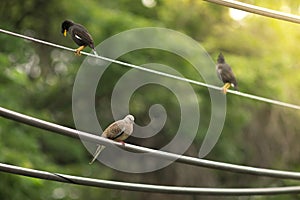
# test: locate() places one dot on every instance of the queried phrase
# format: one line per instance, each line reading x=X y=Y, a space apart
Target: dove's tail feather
x=95 y=52
x=98 y=151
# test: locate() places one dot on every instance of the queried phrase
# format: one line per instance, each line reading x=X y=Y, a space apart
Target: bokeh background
x=38 y=80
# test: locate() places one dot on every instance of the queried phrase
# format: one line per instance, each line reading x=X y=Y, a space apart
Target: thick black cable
x=54 y=128
x=145 y=187
x=155 y=188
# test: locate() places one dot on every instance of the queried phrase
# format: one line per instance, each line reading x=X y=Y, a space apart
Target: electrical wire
x=138 y=187
x=257 y=10
x=250 y=96
x=183 y=159
x=55 y=128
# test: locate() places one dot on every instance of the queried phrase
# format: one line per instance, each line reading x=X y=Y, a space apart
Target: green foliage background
x=38 y=80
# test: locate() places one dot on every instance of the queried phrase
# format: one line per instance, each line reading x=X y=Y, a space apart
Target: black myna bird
x=79 y=35
x=225 y=73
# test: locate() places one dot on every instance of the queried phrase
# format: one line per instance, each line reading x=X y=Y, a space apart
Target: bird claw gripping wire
x=78 y=50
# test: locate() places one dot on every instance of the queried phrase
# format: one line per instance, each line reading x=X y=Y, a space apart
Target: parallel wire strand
x=250 y=96
x=257 y=10
x=138 y=187
x=156 y=188
x=55 y=128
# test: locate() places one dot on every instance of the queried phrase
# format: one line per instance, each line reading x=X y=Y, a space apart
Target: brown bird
x=117 y=131
x=79 y=34
x=225 y=74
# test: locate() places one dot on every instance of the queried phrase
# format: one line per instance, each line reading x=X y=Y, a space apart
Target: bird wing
x=118 y=135
x=114 y=131
x=226 y=74
x=82 y=36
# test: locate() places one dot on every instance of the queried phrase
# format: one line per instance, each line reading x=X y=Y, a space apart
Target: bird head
x=65 y=26
x=129 y=119
x=221 y=58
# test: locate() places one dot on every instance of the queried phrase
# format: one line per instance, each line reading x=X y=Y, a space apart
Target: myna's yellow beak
x=65 y=33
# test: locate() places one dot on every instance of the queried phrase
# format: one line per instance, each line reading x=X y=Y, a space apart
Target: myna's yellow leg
x=225 y=87
x=77 y=51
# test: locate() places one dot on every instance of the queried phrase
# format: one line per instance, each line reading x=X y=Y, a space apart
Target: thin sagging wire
x=55 y=128
x=257 y=10
x=250 y=96
x=138 y=187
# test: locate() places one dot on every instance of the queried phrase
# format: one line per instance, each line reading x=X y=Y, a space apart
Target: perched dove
x=117 y=131
x=225 y=73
